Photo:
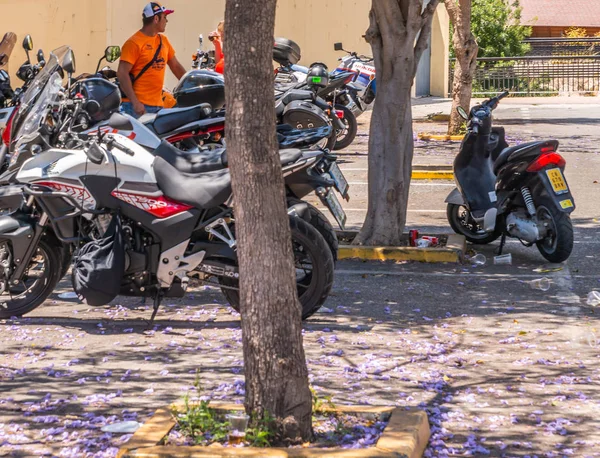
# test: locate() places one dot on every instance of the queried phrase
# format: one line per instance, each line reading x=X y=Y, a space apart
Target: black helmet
x=105 y=93
x=318 y=75
x=200 y=86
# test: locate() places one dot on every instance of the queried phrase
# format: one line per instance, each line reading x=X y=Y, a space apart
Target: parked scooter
x=520 y=192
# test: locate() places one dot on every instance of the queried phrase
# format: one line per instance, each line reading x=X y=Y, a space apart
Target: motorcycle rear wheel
x=315 y=285
x=345 y=137
x=558 y=245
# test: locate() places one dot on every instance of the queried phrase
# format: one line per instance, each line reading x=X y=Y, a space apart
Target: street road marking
x=404 y=273
x=364 y=183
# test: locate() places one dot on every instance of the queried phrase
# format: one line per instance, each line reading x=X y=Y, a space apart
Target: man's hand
x=138 y=107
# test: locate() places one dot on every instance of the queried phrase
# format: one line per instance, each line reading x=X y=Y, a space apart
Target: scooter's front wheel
x=462 y=223
x=558 y=244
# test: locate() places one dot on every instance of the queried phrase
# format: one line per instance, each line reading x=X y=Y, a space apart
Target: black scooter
x=518 y=191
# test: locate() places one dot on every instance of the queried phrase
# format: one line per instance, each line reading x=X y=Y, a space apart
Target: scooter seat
x=523 y=148
x=170 y=119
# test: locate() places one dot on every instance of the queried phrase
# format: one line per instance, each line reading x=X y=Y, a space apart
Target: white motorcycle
x=160 y=217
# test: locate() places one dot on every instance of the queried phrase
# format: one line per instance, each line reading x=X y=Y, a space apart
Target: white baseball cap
x=153 y=8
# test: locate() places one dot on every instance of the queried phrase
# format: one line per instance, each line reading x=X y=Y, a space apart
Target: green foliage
x=262 y=432
x=321 y=404
x=495 y=24
x=199 y=421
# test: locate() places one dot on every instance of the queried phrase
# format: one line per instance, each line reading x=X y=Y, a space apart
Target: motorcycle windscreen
x=6 y=47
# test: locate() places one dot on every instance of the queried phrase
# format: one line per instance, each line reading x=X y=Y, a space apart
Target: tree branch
x=426 y=19
x=395 y=22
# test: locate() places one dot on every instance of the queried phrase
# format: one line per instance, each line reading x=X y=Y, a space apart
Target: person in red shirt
x=217 y=40
x=142 y=67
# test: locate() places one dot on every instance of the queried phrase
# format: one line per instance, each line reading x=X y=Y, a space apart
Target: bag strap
x=149 y=64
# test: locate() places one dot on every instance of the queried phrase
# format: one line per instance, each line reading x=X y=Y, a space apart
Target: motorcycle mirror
x=68 y=63
x=338 y=47
x=120 y=122
x=28 y=43
x=200 y=39
x=112 y=53
x=463 y=114
x=40 y=57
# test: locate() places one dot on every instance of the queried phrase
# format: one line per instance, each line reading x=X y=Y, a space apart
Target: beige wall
x=91 y=25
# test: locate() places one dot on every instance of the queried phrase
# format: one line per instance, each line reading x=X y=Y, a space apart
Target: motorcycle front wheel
x=461 y=222
x=314 y=269
x=38 y=282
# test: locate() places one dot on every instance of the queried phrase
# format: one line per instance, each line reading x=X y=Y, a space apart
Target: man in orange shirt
x=144 y=58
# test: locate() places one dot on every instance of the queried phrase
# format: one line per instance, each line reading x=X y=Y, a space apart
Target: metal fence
x=536 y=75
x=563 y=46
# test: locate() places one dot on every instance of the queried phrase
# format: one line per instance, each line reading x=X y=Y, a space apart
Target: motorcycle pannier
x=99 y=266
x=286 y=52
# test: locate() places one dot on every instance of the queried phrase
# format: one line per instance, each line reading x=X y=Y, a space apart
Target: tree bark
x=465 y=50
x=398 y=34
x=274 y=360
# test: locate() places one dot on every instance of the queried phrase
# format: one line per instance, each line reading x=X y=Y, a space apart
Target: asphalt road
x=503 y=369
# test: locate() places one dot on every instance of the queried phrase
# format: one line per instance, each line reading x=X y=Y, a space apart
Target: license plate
x=333 y=204
x=341 y=184
x=568 y=203
x=557 y=181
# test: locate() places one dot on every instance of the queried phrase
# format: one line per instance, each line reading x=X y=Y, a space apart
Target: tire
x=557 y=247
x=66 y=261
x=319 y=281
x=41 y=289
x=458 y=217
x=320 y=222
x=345 y=138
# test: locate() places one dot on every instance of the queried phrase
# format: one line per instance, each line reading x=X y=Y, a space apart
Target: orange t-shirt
x=138 y=51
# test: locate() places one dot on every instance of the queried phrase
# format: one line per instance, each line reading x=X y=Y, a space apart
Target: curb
x=432 y=175
x=454 y=251
x=406 y=435
x=447 y=138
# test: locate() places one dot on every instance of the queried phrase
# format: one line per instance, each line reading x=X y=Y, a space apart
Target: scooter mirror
x=463 y=114
x=338 y=46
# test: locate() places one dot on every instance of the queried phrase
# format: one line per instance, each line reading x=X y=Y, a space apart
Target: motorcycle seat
x=202 y=161
x=171 y=118
x=200 y=190
x=522 y=149
x=192 y=162
x=201 y=184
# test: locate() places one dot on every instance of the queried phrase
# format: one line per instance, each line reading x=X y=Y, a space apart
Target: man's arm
x=127 y=87
x=176 y=68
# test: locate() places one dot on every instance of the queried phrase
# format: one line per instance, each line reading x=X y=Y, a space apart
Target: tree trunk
x=465 y=50
x=274 y=360
x=398 y=34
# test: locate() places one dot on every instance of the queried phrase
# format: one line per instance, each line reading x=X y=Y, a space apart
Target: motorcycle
x=518 y=191
x=167 y=218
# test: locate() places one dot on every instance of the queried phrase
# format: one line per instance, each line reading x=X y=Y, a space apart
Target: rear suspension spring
x=528 y=200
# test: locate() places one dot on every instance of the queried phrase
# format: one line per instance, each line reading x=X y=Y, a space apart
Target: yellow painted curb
x=381 y=253
x=406 y=435
x=432 y=175
x=447 y=138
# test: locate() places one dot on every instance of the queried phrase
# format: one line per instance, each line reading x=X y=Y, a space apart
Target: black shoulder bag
x=148 y=65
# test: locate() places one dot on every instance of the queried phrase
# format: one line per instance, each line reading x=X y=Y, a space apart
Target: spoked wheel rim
x=469 y=225
x=342 y=133
x=303 y=263
x=550 y=242
x=32 y=285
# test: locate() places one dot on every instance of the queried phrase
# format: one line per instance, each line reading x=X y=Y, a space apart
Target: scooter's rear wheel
x=558 y=244
x=461 y=222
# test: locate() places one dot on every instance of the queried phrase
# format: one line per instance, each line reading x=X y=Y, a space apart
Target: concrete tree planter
x=405 y=436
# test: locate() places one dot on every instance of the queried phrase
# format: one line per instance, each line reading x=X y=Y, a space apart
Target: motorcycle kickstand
x=502 y=243
x=157 y=299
